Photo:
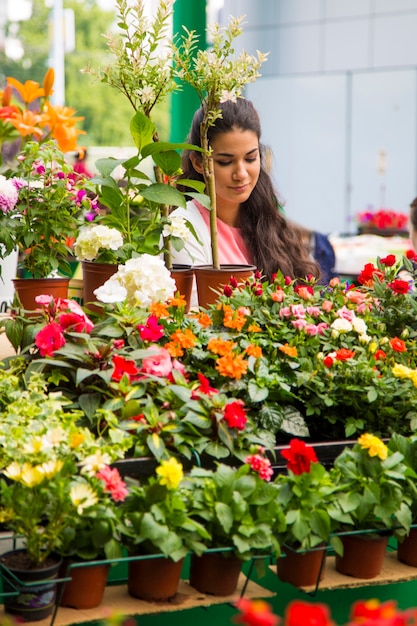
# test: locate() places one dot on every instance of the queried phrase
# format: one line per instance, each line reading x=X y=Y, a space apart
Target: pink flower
x=261 y=465
x=151 y=331
x=49 y=339
x=285 y=311
x=327 y=306
x=298 y=310
x=113 y=483
x=311 y=329
x=158 y=363
x=314 y=311
x=299 y=324
x=346 y=314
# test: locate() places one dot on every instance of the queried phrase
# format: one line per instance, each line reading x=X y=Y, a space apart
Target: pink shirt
x=232 y=248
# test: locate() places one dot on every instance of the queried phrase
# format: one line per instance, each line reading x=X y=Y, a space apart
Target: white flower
x=94 y=463
x=111 y=292
x=93 y=238
x=359 y=325
x=341 y=326
x=145 y=279
x=82 y=497
x=8 y=195
x=228 y=95
x=177 y=227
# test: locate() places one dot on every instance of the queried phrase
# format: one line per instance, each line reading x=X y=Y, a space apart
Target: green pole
x=192 y=14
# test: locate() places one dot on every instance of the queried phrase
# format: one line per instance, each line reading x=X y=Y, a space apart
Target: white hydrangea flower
x=93 y=238
x=111 y=292
x=8 y=195
x=144 y=279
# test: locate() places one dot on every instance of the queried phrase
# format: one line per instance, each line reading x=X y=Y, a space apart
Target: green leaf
x=224 y=515
x=169 y=162
x=256 y=393
x=142 y=130
x=164 y=194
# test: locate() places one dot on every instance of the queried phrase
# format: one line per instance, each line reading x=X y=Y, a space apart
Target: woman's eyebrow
x=227 y=154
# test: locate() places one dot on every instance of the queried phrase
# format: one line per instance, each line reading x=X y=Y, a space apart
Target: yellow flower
x=82 y=496
x=171 y=473
x=401 y=371
x=374 y=445
x=77 y=439
x=31 y=476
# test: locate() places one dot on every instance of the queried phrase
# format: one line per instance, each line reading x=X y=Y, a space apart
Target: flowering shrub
x=371 y=486
x=40 y=201
x=306 y=493
x=383 y=219
x=19 y=118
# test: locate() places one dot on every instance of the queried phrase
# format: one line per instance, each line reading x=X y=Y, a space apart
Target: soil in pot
x=34 y=590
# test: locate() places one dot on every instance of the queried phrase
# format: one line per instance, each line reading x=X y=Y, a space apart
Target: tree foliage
x=107 y=113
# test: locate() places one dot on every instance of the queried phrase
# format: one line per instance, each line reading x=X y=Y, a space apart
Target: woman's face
x=237 y=165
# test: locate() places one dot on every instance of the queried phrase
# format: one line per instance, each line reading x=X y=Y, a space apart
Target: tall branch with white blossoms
x=217 y=75
x=143 y=51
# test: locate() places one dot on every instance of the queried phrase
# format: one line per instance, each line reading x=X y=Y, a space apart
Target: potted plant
x=306 y=494
x=43 y=202
x=372 y=500
x=91 y=539
x=159 y=531
x=239 y=509
x=137 y=194
x=216 y=74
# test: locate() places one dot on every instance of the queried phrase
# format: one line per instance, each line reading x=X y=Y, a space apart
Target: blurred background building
x=338 y=103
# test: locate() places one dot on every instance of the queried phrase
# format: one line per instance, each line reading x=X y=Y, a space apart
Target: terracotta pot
x=302 y=569
x=184 y=277
x=32 y=602
x=215 y=573
x=211 y=281
x=86 y=588
x=363 y=555
x=95 y=275
x=28 y=288
x=154 y=579
x=407 y=549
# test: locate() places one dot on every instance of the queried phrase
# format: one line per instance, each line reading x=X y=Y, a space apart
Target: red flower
x=255 y=613
x=343 y=354
x=299 y=456
x=204 y=387
x=299 y=613
x=399 y=286
x=227 y=291
x=389 y=260
x=411 y=254
x=49 y=339
x=373 y=609
x=328 y=361
x=302 y=288
x=151 y=331
x=75 y=322
x=380 y=355
x=368 y=274
x=235 y=415
x=398 y=344
x=123 y=366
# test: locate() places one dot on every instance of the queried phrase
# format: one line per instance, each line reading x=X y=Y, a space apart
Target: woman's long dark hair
x=272 y=242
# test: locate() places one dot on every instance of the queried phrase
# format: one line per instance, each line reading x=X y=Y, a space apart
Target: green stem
x=208 y=173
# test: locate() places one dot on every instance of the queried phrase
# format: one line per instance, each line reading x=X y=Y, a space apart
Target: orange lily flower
x=61 y=114
x=6 y=96
x=7 y=112
x=48 y=82
x=29 y=91
x=26 y=123
x=67 y=137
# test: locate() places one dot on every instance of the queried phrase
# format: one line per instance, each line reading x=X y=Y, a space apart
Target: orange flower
x=253 y=328
x=289 y=350
x=253 y=350
x=232 y=366
x=203 y=318
x=233 y=319
x=185 y=338
x=220 y=346
x=178 y=302
x=26 y=123
x=29 y=91
x=6 y=96
x=159 y=309
x=48 y=82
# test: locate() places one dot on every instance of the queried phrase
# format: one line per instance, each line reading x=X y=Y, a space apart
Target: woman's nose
x=239 y=172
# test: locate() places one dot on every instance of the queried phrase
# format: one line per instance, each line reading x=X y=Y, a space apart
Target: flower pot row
x=34 y=595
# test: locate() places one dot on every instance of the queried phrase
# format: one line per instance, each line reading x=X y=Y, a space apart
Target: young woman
x=251 y=225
